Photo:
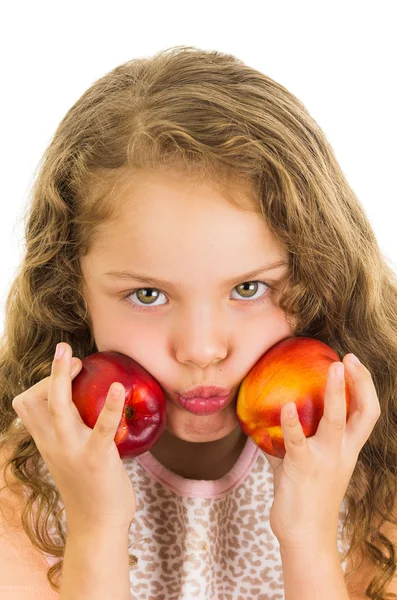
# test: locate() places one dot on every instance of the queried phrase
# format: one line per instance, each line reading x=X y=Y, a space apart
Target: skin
x=202 y=333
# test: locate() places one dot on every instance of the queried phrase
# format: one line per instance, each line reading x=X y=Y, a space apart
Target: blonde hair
x=211 y=117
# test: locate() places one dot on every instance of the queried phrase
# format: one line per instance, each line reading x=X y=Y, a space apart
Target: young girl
x=189 y=213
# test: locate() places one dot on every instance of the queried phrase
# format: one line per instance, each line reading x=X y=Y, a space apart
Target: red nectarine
x=143 y=419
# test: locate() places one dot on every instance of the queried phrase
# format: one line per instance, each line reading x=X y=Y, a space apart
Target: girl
x=190 y=214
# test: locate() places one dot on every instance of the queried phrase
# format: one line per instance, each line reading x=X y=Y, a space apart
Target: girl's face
x=208 y=321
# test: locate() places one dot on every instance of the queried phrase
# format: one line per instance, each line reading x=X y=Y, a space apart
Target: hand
x=310 y=482
x=84 y=463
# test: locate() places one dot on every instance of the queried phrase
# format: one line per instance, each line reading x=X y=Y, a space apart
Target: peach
x=294 y=369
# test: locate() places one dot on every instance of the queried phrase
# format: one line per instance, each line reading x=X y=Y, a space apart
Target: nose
x=202 y=340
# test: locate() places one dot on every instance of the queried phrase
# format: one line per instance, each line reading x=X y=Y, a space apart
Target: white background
x=338 y=57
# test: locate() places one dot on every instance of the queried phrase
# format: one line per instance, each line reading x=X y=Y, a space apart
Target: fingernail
x=74 y=365
x=339 y=371
x=116 y=391
x=291 y=411
x=353 y=359
x=59 y=351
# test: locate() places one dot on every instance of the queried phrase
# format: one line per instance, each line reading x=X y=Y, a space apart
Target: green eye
x=146 y=297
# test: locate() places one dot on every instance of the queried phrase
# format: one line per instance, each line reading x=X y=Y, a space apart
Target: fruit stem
x=129 y=412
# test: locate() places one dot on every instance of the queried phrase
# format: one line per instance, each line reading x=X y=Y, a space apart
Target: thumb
x=75 y=366
x=109 y=418
x=274 y=461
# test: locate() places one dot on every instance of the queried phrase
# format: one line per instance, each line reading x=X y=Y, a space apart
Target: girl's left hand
x=310 y=482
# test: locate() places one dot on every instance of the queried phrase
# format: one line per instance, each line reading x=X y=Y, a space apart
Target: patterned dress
x=209 y=540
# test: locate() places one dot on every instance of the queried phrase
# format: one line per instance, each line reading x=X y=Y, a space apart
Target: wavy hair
x=207 y=115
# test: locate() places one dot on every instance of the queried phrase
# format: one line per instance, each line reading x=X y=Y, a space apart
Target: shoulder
x=21 y=564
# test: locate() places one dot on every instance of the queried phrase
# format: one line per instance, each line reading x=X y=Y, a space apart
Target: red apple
x=293 y=370
x=143 y=419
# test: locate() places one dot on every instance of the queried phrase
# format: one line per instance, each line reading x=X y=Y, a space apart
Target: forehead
x=159 y=212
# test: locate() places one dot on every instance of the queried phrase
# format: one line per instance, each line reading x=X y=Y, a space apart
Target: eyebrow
x=127 y=275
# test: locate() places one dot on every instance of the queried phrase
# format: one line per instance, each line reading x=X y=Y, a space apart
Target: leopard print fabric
x=209 y=540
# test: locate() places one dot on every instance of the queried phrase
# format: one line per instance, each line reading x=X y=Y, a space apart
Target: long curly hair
x=209 y=116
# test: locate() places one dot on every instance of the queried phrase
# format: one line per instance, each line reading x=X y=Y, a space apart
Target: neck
x=199 y=460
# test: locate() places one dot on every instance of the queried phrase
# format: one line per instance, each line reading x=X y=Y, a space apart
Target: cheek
x=260 y=335
x=117 y=328
x=135 y=339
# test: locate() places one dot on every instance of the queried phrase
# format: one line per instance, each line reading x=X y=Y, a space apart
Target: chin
x=193 y=428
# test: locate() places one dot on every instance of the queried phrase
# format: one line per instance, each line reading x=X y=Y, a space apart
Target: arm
x=96 y=566
x=313 y=574
x=310 y=483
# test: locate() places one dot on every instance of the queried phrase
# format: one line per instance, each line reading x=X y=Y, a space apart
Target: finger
x=366 y=410
x=109 y=418
x=296 y=444
x=32 y=406
x=62 y=410
x=331 y=428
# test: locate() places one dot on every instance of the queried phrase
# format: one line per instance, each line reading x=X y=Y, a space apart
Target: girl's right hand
x=85 y=464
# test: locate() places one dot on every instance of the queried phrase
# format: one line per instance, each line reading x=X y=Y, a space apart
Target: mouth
x=204 y=406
